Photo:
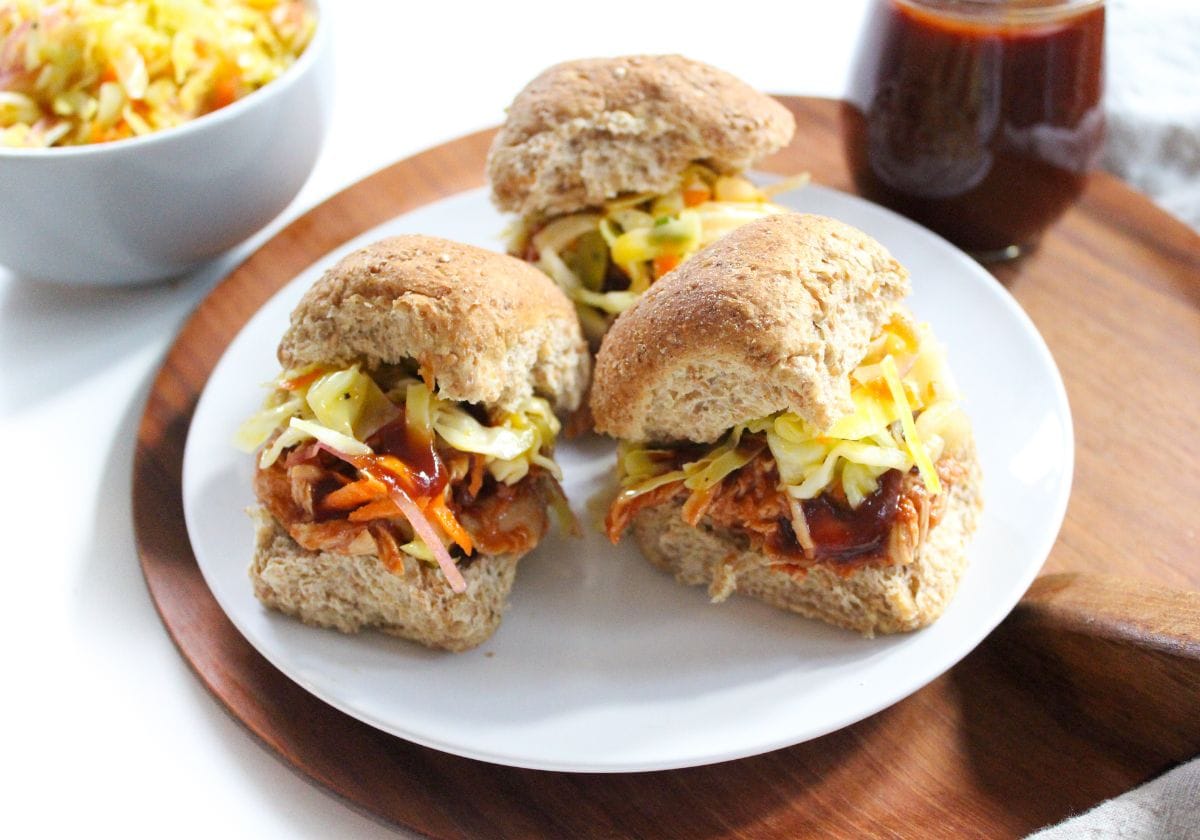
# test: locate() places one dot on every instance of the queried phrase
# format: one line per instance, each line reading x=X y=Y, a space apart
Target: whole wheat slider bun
x=774 y=317
x=490 y=328
x=587 y=131
x=771 y=317
x=356 y=592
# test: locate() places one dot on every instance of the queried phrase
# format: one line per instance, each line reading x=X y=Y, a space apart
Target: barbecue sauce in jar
x=977 y=118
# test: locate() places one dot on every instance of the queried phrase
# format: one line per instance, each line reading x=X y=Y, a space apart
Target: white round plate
x=604 y=664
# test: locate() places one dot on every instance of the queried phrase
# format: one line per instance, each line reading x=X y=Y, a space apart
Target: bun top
x=490 y=328
x=772 y=317
x=588 y=131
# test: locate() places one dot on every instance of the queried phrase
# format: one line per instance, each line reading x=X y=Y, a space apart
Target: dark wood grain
x=1120 y=657
x=1016 y=736
x=1126 y=612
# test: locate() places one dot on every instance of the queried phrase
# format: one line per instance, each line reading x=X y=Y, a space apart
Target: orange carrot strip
x=476 y=481
x=696 y=194
x=301 y=380
x=357 y=493
x=664 y=263
x=904 y=332
x=450 y=524
x=379 y=509
x=225 y=89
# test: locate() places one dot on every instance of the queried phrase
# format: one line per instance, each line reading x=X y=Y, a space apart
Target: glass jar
x=980 y=119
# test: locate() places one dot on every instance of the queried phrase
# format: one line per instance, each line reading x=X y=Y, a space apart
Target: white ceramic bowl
x=153 y=207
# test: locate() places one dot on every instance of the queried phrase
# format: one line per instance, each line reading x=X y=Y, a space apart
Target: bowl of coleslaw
x=141 y=138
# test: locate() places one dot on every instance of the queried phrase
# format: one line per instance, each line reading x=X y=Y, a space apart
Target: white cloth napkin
x=1167 y=808
x=1153 y=100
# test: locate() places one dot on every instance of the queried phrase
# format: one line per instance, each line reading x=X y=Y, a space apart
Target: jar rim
x=1005 y=12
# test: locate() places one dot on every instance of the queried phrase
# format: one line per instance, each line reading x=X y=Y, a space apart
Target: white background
x=106 y=731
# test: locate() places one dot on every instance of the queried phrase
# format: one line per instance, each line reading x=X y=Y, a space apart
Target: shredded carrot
x=450 y=524
x=665 y=263
x=301 y=380
x=878 y=389
x=475 y=483
x=695 y=194
x=379 y=509
x=100 y=134
x=225 y=91
x=357 y=493
x=903 y=330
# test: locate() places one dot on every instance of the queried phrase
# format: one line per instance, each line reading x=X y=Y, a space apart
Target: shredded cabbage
x=916 y=449
x=710 y=470
x=342 y=408
x=349 y=402
x=535 y=422
x=605 y=260
x=258 y=429
x=335 y=440
x=91 y=71
x=416 y=548
x=462 y=431
x=899 y=421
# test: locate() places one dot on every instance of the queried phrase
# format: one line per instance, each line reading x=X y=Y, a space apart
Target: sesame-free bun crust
x=490 y=328
x=774 y=316
x=352 y=593
x=587 y=131
x=883 y=598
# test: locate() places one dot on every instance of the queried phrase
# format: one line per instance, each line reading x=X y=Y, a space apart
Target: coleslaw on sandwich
x=605 y=258
x=361 y=462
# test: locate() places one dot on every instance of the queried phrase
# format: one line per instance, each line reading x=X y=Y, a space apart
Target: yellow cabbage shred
x=905 y=414
x=342 y=407
x=642 y=235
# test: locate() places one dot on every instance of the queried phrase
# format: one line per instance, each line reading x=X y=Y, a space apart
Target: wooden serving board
x=1013 y=738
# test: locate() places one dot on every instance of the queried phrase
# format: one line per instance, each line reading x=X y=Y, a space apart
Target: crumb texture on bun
x=352 y=593
x=587 y=131
x=889 y=598
x=489 y=328
x=772 y=317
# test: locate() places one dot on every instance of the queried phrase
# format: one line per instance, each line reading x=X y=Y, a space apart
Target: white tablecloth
x=106 y=729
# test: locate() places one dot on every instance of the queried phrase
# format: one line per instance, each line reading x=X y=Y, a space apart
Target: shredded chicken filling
x=326 y=506
x=887 y=527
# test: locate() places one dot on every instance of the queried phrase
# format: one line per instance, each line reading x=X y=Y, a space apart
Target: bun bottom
x=873 y=599
x=352 y=593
